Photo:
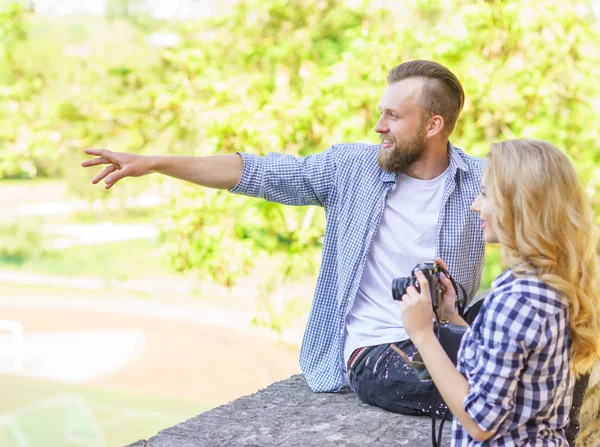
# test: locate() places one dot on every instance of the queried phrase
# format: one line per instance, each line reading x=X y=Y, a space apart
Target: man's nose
x=381 y=127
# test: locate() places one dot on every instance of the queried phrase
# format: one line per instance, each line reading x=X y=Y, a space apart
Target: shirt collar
x=502 y=279
x=456 y=159
x=456 y=162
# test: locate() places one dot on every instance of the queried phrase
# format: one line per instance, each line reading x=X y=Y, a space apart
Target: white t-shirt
x=405 y=238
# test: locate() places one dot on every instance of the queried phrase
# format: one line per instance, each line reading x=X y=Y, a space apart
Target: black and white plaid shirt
x=347 y=181
x=516 y=358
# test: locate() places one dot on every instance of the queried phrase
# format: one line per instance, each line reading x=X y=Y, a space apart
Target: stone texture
x=590 y=412
x=288 y=414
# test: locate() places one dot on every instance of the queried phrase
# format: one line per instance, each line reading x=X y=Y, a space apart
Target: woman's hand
x=417 y=312
x=449 y=305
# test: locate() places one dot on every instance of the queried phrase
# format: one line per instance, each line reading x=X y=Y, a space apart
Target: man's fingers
x=104 y=173
x=96 y=162
x=112 y=173
x=115 y=177
x=98 y=152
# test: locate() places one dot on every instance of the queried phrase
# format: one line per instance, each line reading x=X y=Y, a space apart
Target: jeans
x=380 y=377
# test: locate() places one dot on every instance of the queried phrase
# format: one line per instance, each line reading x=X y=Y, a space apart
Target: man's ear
x=435 y=126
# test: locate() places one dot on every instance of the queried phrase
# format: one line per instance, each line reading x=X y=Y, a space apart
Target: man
x=388 y=207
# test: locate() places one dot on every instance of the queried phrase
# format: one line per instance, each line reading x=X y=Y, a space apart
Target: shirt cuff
x=251 y=183
x=488 y=415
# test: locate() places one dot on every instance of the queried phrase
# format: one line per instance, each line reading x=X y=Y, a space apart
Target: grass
x=122 y=216
x=44 y=412
x=14 y=193
x=136 y=258
x=43 y=290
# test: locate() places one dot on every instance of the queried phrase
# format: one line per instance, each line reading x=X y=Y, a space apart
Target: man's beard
x=403 y=153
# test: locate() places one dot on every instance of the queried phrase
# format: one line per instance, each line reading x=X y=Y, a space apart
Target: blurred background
x=123 y=312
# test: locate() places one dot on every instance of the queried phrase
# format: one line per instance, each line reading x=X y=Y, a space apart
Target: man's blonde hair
x=442 y=92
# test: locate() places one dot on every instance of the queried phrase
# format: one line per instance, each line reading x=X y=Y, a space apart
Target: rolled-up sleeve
x=251 y=183
x=288 y=179
x=501 y=346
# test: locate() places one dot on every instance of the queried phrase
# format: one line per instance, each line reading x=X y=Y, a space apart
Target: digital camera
x=432 y=272
x=449 y=334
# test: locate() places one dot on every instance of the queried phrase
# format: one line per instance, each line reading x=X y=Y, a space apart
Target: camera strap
x=435 y=401
x=461 y=304
x=436 y=398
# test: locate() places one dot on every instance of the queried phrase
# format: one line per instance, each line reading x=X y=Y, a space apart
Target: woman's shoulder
x=522 y=305
x=527 y=290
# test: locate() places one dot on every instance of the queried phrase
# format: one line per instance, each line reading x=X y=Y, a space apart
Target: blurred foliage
x=20 y=241
x=129 y=9
x=276 y=306
x=293 y=76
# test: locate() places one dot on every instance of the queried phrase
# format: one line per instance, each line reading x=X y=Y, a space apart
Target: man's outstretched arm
x=217 y=171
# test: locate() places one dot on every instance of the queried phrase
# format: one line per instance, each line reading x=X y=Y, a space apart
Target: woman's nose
x=475 y=204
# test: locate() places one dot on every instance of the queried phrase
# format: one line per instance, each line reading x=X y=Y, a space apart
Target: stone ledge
x=288 y=414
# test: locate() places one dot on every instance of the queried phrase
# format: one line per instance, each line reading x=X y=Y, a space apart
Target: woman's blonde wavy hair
x=545 y=226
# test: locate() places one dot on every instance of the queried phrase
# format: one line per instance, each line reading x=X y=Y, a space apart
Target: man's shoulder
x=355 y=150
x=470 y=160
x=357 y=155
x=472 y=166
x=475 y=162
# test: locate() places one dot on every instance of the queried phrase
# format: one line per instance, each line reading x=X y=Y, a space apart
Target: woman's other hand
x=449 y=305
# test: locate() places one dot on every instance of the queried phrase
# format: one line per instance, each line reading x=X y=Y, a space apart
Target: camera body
x=432 y=272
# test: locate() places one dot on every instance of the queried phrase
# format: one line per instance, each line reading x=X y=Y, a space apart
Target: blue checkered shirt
x=347 y=181
x=516 y=358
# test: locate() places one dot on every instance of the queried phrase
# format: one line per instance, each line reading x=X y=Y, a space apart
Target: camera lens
x=399 y=286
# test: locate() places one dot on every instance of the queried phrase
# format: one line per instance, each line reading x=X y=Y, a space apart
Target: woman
x=539 y=327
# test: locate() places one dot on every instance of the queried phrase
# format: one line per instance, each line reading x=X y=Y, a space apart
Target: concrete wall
x=288 y=414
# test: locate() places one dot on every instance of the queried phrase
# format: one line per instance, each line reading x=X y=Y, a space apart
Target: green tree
x=293 y=76
x=296 y=77
x=127 y=9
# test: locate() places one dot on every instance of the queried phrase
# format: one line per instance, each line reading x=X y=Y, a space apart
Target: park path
x=191 y=353
x=200 y=350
